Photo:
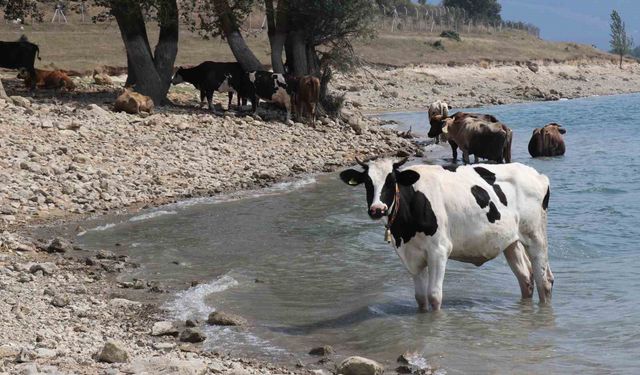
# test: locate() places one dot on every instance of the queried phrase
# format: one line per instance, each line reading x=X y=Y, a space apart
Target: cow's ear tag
x=353 y=182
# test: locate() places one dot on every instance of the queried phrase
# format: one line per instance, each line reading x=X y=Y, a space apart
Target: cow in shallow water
x=436 y=112
x=547 y=141
x=475 y=134
x=470 y=214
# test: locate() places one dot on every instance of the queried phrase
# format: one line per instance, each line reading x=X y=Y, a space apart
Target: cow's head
x=178 y=78
x=380 y=178
x=438 y=125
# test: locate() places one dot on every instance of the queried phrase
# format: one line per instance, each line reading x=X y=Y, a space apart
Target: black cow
x=269 y=86
x=20 y=54
x=213 y=76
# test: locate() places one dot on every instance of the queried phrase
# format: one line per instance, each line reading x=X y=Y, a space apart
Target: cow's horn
x=399 y=164
x=363 y=165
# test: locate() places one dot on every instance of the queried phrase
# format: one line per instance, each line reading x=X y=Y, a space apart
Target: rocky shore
x=390 y=89
x=67 y=156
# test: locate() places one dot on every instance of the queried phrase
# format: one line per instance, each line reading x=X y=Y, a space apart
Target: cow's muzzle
x=378 y=211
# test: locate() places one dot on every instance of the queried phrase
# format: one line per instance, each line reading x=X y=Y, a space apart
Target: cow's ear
x=352 y=177
x=407 y=177
x=562 y=130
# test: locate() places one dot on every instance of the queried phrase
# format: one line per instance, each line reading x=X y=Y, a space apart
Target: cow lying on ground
x=132 y=102
x=212 y=76
x=547 y=141
x=470 y=214
x=475 y=134
x=19 y=54
x=46 y=79
x=306 y=96
x=441 y=109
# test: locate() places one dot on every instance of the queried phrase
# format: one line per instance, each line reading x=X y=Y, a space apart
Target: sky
x=582 y=21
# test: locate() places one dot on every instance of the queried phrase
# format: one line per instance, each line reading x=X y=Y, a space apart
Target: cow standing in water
x=475 y=134
x=470 y=214
x=547 y=141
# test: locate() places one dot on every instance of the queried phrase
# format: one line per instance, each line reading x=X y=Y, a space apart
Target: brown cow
x=47 y=79
x=438 y=108
x=132 y=102
x=306 y=96
x=478 y=134
x=547 y=141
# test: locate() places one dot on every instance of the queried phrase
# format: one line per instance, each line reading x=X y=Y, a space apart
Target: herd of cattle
x=485 y=137
x=297 y=94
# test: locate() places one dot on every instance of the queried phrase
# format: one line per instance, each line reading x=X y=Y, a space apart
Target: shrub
x=451 y=35
x=332 y=104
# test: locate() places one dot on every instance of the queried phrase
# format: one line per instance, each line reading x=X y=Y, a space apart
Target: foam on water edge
x=190 y=303
x=151 y=215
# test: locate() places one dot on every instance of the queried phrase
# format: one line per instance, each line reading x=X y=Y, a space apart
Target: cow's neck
x=401 y=223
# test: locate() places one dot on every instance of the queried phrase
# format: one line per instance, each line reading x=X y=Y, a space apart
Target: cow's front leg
x=436 y=268
x=210 y=99
x=454 y=150
x=421 y=283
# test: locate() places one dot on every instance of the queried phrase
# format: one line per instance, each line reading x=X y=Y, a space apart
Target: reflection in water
x=327 y=277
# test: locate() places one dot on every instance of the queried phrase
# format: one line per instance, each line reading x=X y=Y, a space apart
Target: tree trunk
x=150 y=75
x=236 y=42
x=313 y=61
x=279 y=35
x=3 y=94
x=131 y=75
x=299 y=54
x=621 y=61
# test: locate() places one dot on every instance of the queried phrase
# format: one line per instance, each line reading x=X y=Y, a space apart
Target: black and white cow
x=212 y=76
x=270 y=86
x=469 y=214
x=20 y=54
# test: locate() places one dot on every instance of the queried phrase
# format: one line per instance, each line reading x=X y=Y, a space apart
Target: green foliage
x=484 y=10
x=620 y=42
x=636 y=52
x=21 y=9
x=451 y=35
x=201 y=15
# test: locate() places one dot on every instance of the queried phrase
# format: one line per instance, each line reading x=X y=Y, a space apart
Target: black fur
x=493 y=213
x=20 y=54
x=481 y=196
x=486 y=174
x=545 y=201
x=500 y=194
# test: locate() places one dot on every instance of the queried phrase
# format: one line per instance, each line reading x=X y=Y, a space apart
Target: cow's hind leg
x=537 y=251
x=421 y=283
x=521 y=267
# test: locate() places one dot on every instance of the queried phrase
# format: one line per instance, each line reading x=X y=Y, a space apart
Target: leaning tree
x=148 y=71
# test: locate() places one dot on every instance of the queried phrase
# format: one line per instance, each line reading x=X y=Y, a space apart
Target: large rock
x=59 y=245
x=192 y=335
x=164 y=329
x=112 y=352
x=47 y=268
x=360 y=366
x=322 y=350
x=219 y=318
x=21 y=101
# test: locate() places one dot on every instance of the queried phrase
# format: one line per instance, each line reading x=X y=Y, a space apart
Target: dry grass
x=85 y=46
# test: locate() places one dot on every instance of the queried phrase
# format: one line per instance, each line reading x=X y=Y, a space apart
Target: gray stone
x=60 y=301
x=322 y=350
x=47 y=268
x=59 y=245
x=219 y=318
x=21 y=101
x=113 y=352
x=25 y=355
x=164 y=329
x=192 y=335
x=360 y=366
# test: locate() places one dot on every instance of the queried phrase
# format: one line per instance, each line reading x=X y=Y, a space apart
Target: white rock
x=360 y=366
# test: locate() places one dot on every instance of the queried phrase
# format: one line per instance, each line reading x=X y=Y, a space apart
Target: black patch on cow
x=481 y=195
x=500 y=194
x=486 y=174
x=545 y=201
x=415 y=215
x=493 y=213
x=450 y=167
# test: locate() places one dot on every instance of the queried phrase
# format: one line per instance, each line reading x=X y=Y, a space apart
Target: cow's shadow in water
x=376 y=311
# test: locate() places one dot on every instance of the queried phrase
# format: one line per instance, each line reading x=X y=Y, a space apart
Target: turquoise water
x=325 y=276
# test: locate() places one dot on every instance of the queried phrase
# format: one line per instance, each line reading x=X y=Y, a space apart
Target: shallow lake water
x=305 y=264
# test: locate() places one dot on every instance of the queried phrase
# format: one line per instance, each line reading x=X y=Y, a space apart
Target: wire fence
x=433 y=19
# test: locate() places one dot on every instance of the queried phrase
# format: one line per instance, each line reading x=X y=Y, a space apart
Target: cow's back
x=483 y=208
x=481 y=138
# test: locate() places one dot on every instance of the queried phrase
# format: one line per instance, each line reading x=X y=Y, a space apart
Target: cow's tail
x=314 y=88
x=507 y=146
x=37 y=52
